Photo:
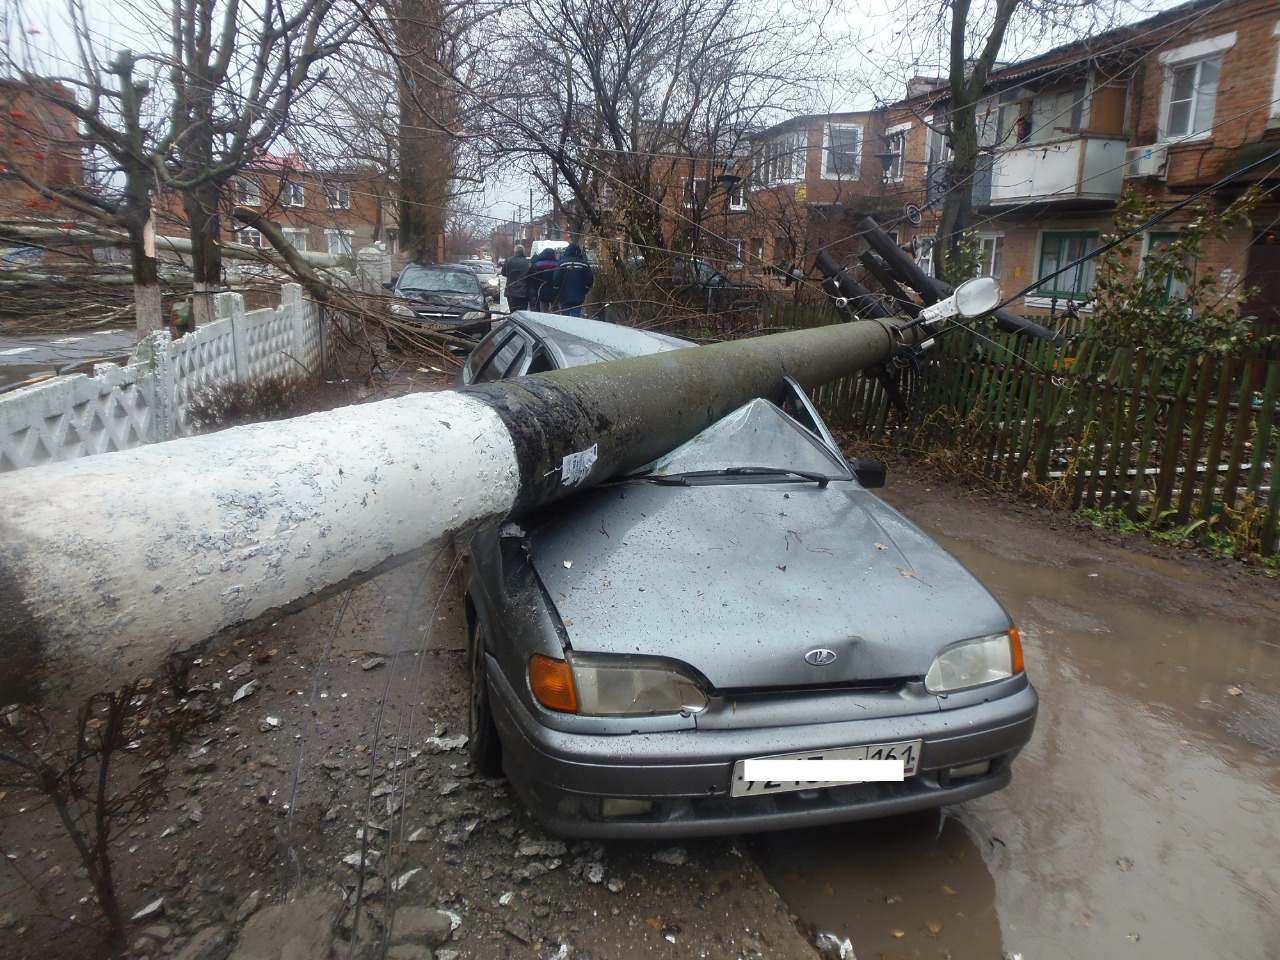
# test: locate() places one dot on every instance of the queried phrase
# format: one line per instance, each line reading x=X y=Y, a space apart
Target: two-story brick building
x=1166 y=107
x=327 y=211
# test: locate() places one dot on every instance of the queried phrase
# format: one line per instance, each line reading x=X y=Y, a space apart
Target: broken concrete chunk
x=421 y=925
x=541 y=848
x=674 y=856
x=301 y=928
x=152 y=909
x=247 y=690
x=444 y=744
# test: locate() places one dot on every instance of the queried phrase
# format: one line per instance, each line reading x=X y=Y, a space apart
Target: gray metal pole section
x=105 y=570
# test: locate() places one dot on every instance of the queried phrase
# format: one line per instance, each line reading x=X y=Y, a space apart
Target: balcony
x=1081 y=167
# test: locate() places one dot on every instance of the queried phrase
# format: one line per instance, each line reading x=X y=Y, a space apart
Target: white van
x=541 y=246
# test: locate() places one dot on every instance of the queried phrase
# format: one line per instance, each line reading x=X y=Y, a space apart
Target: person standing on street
x=516 y=269
x=573 y=279
x=542 y=281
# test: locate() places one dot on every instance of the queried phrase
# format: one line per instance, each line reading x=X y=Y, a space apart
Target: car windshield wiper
x=682 y=479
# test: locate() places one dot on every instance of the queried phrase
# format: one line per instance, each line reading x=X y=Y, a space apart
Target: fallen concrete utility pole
x=111 y=563
x=932 y=289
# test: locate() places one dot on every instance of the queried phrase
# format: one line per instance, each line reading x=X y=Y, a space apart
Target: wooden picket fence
x=1162 y=442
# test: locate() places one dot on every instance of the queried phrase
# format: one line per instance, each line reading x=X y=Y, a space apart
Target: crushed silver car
x=636 y=648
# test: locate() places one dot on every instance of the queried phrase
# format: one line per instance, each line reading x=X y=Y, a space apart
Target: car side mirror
x=388 y=286
x=870 y=473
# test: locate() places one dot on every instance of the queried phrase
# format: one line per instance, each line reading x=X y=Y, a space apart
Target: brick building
x=1167 y=107
x=330 y=211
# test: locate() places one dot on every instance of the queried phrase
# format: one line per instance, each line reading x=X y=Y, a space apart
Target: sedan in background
x=488 y=277
x=441 y=295
x=644 y=653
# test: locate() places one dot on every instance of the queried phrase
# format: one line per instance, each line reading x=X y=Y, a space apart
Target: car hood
x=452 y=301
x=741 y=581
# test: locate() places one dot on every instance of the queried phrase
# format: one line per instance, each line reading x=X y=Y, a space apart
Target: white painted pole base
x=168 y=544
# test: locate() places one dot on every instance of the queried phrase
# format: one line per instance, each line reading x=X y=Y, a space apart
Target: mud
x=1143 y=817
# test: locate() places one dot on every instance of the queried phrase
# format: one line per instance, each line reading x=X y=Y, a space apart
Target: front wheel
x=482 y=734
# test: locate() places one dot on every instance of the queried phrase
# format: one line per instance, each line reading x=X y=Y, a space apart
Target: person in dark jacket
x=542 y=281
x=573 y=279
x=516 y=269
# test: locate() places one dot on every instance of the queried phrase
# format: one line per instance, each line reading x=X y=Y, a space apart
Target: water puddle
x=1143 y=819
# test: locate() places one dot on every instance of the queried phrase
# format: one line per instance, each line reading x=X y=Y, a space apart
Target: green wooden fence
x=1169 y=443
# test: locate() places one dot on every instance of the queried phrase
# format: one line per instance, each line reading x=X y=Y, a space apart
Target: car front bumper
x=685 y=774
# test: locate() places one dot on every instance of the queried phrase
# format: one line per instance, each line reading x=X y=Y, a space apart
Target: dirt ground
x=324 y=754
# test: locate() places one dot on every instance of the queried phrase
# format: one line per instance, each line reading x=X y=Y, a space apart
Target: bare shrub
x=229 y=403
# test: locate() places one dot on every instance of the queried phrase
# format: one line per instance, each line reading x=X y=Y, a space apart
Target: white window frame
x=828 y=156
x=293 y=193
x=249 y=189
x=738 y=196
x=1275 y=84
x=794 y=146
x=337 y=195
x=250 y=236
x=294 y=234
x=986 y=263
x=1176 y=288
x=691 y=188
x=1171 y=60
x=898 y=130
x=329 y=236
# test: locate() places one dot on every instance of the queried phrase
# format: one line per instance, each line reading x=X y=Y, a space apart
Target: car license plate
x=908 y=752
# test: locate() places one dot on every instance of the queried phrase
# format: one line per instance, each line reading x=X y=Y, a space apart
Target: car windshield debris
x=756 y=437
x=423 y=280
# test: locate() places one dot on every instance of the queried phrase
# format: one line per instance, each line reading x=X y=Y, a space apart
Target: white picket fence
x=146 y=401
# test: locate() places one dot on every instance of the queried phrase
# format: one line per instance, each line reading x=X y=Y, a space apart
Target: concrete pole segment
x=108 y=564
x=111 y=563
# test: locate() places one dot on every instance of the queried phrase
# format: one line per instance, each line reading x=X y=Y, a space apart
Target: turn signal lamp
x=1015 y=641
x=552 y=683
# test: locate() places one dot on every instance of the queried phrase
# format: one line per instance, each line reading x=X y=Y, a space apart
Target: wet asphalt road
x=24 y=357
x=1144 y=817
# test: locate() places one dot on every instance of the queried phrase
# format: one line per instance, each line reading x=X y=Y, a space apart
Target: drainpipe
x=110 y=564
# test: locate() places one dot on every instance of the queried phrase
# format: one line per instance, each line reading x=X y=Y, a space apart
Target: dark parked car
x=743 y=598
x=445 y=295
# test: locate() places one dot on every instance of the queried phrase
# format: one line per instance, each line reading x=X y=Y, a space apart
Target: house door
x=1263 y=275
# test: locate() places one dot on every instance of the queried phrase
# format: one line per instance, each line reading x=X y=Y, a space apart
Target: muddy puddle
x=1144 y=817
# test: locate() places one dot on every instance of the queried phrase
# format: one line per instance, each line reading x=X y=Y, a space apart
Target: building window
x=895 y=149
x=1174 y=287
x=1056 y=251
x=1191 y=87
x=990 y=255
x=782 y=159
x=337 y=196
x=695 y=191
x=842 y=152
x=738 y=196
x=1026 y=117
x=250 y=236
x=246 y=192
x=924 y=254
x=339 y=241
x=292 y=193
x=297 y=237
x=757 y=250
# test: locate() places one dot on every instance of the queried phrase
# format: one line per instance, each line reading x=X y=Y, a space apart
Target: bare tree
x=618 y=107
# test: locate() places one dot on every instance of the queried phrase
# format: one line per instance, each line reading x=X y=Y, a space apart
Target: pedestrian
x=542 y=280
x=516 y=269
x=573 y=278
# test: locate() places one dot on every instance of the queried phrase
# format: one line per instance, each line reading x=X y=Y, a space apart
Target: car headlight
x=402 y=310
x=971 y=663
x=602 y=685
x=474 y=315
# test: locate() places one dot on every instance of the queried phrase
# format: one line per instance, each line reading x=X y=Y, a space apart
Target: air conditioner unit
x=1148 y=161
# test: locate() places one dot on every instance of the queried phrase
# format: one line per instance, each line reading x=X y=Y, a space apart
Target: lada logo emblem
x=820 y=657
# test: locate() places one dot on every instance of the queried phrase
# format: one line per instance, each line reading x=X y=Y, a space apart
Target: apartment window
x=782 y=159
x=339 y=241
x=924 y=254
x=895 y=148
x=337 y=196
x=1056 y=251
x=250 y=236
x=1032 y=118
x=246 y=192
x=1174 y=287
x=292 y=193
x=695 y=191
x=842 y=151
x=738 y=196
x=297 y=237
x=1191 y=87
x=784 y=249
x=757 y=250
x=990 y=255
